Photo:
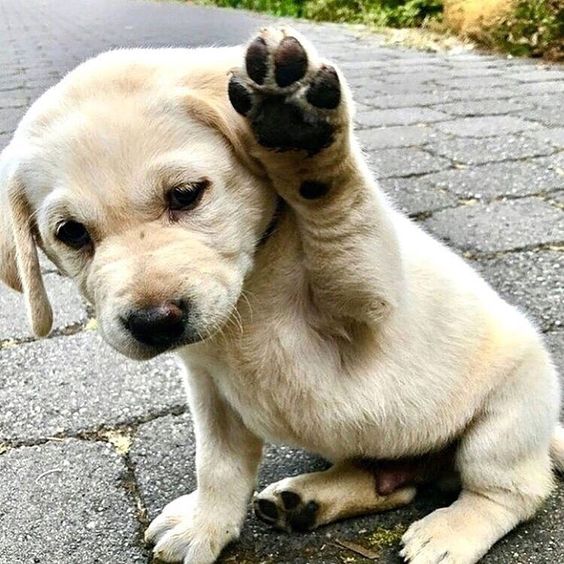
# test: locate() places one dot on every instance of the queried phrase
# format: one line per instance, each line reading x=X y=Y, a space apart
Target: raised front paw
x=185 y=533
x=292 y=100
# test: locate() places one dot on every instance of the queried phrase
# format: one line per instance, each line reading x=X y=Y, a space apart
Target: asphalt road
x=92 y=446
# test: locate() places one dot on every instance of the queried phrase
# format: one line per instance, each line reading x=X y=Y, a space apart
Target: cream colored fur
x=351 y=333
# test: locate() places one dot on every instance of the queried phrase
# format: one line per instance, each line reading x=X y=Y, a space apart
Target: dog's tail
x=557 y=448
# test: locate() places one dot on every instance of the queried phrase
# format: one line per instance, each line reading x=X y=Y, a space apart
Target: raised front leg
x=195 y=528
x=299 y=109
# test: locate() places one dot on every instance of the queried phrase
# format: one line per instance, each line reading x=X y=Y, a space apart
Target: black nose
x=158 y=326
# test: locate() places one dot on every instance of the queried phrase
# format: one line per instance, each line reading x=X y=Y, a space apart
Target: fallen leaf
x=358 y=549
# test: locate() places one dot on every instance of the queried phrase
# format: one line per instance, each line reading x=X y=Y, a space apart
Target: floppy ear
x=19 y=262
x=215 y=111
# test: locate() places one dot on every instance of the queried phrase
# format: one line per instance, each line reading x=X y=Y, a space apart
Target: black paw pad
x=239 y=97
x=256 y=60
x=283 y=126
x=290 y=500
x=304 y=520
x=290 y=62
x=266 y=510
x=325 y=89
x=312 y=190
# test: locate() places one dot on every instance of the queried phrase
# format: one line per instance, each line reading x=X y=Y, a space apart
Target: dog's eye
x=186 y=196
x=73 y=234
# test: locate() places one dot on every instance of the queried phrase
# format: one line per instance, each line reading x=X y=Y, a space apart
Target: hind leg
x=308 y=501
x=505 y=470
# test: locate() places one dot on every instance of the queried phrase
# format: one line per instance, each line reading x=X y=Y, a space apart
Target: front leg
x=195 y=528
x=299 y=109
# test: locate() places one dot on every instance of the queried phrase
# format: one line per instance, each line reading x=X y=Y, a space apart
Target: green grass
x=535 y=28
x=392 y=13
x=294 y=8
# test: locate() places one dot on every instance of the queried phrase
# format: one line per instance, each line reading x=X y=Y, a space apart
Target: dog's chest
x=294 y=385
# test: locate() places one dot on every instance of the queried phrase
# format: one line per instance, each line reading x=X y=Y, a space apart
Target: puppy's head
x=132 y=175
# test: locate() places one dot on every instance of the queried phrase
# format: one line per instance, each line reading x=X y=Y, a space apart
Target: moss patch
x=381 y=537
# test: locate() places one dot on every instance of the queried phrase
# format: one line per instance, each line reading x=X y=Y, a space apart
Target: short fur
x=349 y=332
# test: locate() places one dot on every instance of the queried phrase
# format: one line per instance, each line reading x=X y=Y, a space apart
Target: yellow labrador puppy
x=215 y=202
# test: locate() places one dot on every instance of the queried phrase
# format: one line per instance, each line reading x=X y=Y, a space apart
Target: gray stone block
x=556 y=198
x=536 y=88
x=9 y=119
x=65 y=502
x=483 y=107
x=500 y=226
x=538 y=75
x=490 y=181
x=474 y=71
x=549 y=116
x=554 y=136
x=399 y=116
x=68 y=308
x=397 y=136
x=13 y=99
x=531 y=280
x=68 y=385
x=473 y=151
x=418 y=195
x=404 y=100
x=465 y=83
x=555 y=343
x=485 y=126
x=405 y=162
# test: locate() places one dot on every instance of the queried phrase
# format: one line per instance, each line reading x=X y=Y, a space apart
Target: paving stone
x=531 y=280
x=550 y=116
x=77 y=383
x=404 y=162
x=427 y=79
x=9 y=118
x=402 y=100
x=12 y=98
x=500 y=226
x=427 y=70
x=473 y=151
x=396 y=136
x=555 y=343
x=536 y=88
x=4 y=140
x=494 y=180
x=434 y=95
x=417 y=195
x=485 y=126
x=554 y=136
x=399 y=116
x=65 y=502
x=538 y=75
x=69 y=309
x=484 y=82
x=557 y=198
x=483 y=107
x=479 y=92
x=547 y=100
x=474 y=71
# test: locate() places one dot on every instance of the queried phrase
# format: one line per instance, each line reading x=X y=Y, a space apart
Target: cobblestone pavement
x=92 y=446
